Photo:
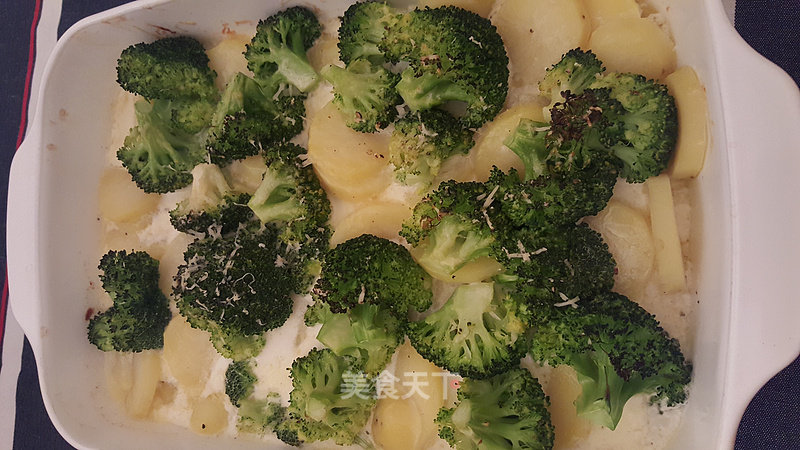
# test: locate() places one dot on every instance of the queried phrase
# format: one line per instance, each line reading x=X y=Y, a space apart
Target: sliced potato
x=396 y=424
x=563 y=389
x=146 y=377
x=380 y=219
x=119 y=374
x=189 y=354
x=209 y=415
x=166 y=393
x=669 y=258
x=481 y=269
x=324 y=51
x=489 y=149
x=168 y=263
x=420 y=388
x=537 y=33
x=245 y=175
x=634 y=45
x=627 y=233
x=690 y=98
x=602 y=11
x=429 y=398
x=457 y=167
x=120 y=200
x=227 y=59
x=350 y=164
x=122 y=236
x=480 y=7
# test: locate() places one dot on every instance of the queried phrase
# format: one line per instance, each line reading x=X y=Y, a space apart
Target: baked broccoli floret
x=291 y=198
x=212 y=207
x=140 y=312
x=618 y=349
x=529 y=140
x=189 y=116
x=372 y=270
x=251 y=116
x=239 y=381
x=286 y=431
x=367 y=332
x=460 y=222
x=159 y=156
x=507 y=411
x=640 y=120
x=479 y=332
x=451 y=244
x=259 y=416
x=569 y=168
x=362 y=30
x=640 y=351
x=549 y=201
x=453 y=55
x=331 y=398
x=578 y=137
x=256 y=415
x=648 y=125
x=236 y=287
x=571 y=262
x=365 y=94
x=174 y=68
x=574 y=73
x=277 y=52
x=422 y=141
x=448 y=228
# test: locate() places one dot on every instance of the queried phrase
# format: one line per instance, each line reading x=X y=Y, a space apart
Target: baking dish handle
x=764 y=148
x=22 y=241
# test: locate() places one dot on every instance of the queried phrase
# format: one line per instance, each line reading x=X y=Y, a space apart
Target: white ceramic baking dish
x=747 y=317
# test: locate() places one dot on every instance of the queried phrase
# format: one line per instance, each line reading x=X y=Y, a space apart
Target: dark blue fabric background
x=772 y=27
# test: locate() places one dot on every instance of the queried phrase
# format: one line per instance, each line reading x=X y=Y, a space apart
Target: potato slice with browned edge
x=690 y=98
x=351 y=165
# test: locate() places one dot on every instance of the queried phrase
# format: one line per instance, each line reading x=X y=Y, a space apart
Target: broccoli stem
x=427 y=91
x=276 y=199
x=294 y=65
